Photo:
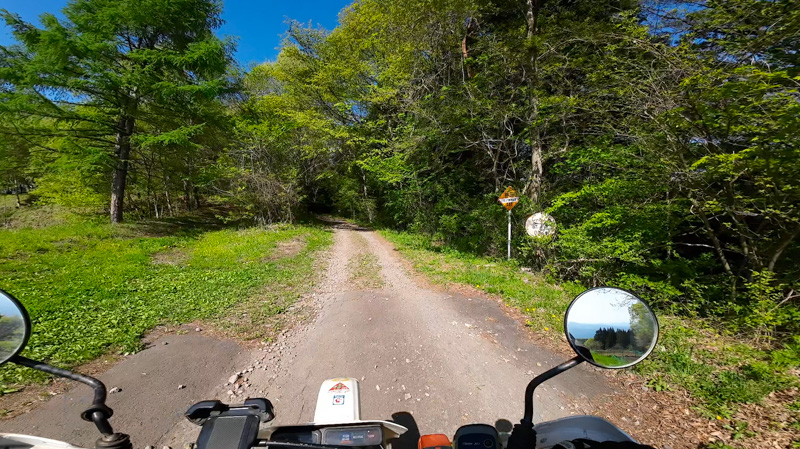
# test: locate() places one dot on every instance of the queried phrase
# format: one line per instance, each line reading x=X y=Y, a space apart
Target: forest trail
x=432 y=359
x=441 y=358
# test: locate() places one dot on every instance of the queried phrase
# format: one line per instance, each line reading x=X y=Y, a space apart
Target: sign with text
x=509 y=198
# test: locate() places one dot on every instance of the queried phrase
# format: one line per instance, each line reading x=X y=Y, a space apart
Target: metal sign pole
x=509 y=234
x=509 y=199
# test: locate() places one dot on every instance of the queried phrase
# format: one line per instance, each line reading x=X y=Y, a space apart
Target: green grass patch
x=91 y=287
x=365 y=271
x=8 y=201
x=543 y=303
x=719 y=371
x=364 y=268
x=608 y=360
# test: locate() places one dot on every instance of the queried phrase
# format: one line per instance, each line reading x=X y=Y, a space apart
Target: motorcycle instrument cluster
x=356 y=436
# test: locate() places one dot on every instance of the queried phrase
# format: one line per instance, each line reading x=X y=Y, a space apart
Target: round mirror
x=610 y=327
x=15 y=327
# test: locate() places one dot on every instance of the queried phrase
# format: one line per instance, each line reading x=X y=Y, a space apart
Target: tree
x=643 y=327
x=14 y=160
x=12 y=331
x=111 y=67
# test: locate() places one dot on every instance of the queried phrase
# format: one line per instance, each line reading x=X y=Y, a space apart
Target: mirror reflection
x=13 y=327
x=611 y=328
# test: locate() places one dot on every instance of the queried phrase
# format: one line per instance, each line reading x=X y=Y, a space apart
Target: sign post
x=509 y=199
x=509 y=234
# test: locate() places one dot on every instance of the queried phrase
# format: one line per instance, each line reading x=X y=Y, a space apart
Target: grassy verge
x=8 y=201
x=364 y=268
x=543 y=303
x=91 y=287
x=719 y=372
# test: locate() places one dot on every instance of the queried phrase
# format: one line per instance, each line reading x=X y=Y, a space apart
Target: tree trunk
x=537 y=172
x=713 y=236
x=781 y=247
x=472 y=25
x=122 y=151
x=187 y=202
x=531 y=15
x=169 y=202
x=166 y=195
x=19 y=203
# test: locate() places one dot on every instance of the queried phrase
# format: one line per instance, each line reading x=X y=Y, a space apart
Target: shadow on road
x=338 y=223
x=409 y=439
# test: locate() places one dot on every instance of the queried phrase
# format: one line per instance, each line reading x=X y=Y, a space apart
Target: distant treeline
x=610 y=338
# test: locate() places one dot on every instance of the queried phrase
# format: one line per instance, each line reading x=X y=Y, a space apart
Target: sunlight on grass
x=92 y=287
x=544 y=304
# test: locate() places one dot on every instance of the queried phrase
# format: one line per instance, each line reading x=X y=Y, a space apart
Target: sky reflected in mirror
x=611 y=327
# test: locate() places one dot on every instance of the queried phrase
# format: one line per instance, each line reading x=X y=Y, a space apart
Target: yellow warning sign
x=509 y=198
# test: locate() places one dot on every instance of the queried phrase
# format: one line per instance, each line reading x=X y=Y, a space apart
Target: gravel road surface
x=433 y=360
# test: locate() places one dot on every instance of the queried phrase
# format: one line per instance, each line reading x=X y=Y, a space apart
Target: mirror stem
x=99 y=412
x=541 y=378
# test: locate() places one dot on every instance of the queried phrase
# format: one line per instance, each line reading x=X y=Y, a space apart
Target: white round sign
x=540 y=224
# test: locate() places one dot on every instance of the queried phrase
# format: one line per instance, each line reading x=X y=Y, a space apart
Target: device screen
x=477 y=441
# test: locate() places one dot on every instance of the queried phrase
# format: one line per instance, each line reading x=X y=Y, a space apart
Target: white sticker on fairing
x=338 y=399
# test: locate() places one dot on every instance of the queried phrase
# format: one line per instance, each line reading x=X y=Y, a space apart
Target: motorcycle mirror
x=611 y=327
x=15 y=327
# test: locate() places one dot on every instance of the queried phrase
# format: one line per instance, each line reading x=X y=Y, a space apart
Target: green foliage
x=14 y=160
x=667 y=162
x=718 y=371
x=91 y=288
x=666 y=152
x=109 y=76
x=658 y=384
x=716 y=445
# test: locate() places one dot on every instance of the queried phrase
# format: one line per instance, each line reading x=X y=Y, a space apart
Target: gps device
x=476 y=436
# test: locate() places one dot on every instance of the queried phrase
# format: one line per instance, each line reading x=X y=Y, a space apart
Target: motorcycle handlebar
x=541 y=378
x=99 y=412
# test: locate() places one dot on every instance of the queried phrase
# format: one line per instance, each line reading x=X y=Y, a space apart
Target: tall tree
x=110 y=65
x=14 y=160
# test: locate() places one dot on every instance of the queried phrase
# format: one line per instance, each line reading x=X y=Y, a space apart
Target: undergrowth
x=92 y=287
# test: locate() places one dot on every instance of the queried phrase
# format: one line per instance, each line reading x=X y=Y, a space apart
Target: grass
x=365 y=271
x=608 y=360
x=8 y=201
x=719 y=372
x=542 y=303
x=364 y=268
x=91 y=288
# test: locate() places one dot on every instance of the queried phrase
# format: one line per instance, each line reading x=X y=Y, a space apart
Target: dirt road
x=442 y=358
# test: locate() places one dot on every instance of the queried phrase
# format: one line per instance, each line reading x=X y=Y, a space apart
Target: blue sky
x=259 y=24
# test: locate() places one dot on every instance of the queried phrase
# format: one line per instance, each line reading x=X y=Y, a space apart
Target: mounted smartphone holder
x=222 y=424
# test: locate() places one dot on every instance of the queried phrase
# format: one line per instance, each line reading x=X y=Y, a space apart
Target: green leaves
x=152 y=70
